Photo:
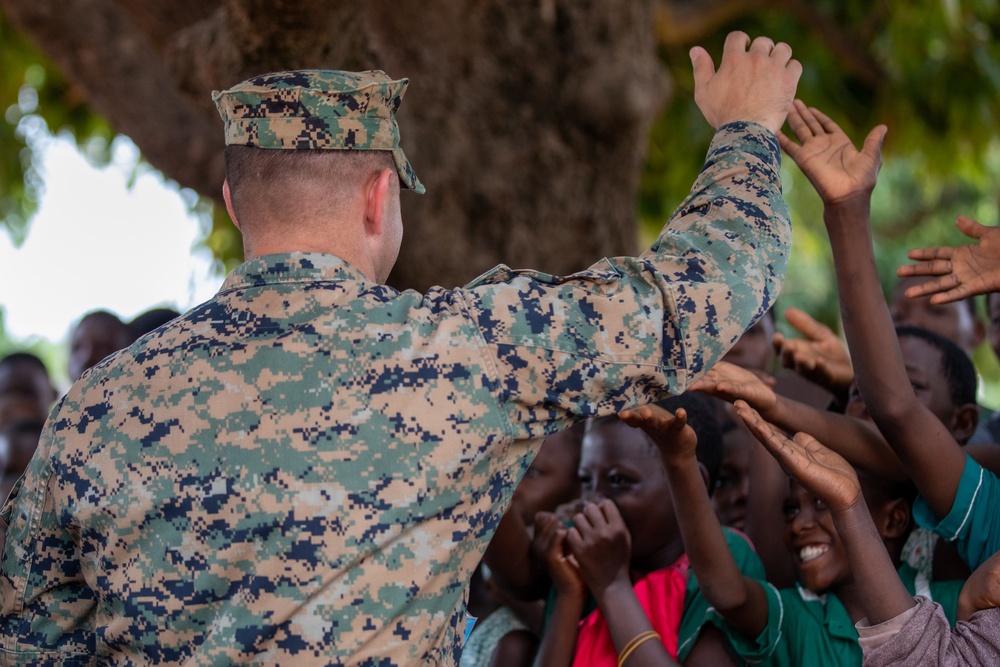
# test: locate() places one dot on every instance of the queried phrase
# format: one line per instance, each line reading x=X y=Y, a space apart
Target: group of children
x=762 y=519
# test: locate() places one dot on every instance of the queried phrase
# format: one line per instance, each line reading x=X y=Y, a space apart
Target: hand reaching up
x=827 y=157
x=673 y=436
x=819 y=469
x=819 y=356
x=731 y=382
x=962 y=271
x=755 y=82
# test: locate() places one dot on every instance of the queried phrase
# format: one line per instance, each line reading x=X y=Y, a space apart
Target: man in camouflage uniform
x=306 y=469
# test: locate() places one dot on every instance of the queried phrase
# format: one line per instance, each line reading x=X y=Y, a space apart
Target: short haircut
x=257 y=175
x=24 y=358
x=956 y=365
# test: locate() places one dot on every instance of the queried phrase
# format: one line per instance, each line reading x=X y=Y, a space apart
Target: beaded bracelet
x=635 y=643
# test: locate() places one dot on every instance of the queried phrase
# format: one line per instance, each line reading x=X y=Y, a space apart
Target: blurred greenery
x=929 y=70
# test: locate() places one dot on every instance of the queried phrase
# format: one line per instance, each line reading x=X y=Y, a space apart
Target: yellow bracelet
x=636 y=642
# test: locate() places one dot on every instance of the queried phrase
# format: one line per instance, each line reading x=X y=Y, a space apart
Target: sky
x=98 y=242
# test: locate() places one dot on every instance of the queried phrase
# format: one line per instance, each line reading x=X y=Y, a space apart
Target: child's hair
x=23 y=357
x=955 y=364
x=702 y=418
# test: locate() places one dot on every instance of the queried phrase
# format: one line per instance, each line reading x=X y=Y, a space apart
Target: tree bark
x=527 y=120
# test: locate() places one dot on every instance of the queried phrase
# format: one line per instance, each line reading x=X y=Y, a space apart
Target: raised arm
x=845 y=178
x=741 y=601
x=855 y=440
x=832 y=479
x=961 y=271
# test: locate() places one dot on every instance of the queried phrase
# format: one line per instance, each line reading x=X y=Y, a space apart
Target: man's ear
x=964 y=421
x=227 y=196
x=896 y=519
x=376 y=192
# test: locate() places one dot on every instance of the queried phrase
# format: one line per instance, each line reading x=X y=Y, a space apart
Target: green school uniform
x=974 y=520
x=808 y=629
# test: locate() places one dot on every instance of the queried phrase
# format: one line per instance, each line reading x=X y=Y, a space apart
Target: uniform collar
x=295 y=267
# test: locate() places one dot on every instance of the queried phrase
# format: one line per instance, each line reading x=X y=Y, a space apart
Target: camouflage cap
x=325 y=109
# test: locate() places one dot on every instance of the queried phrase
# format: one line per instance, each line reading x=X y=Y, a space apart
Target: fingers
x=935 y=267
x=787 y=145
x=797 y=121
x=932 y=286
x=804 y=323
x=970 y=227
x=873 y=143
x=702 y=66
x=763 y=45
x=736 y=42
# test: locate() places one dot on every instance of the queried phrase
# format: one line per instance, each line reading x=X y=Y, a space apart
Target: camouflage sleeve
x=47 y=607
x=630 y=330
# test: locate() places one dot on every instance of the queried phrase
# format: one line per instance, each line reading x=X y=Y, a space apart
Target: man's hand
x=827 y=157
x=756 y=85
x=670 y=432
x=819 y=357
x=962 y=271
x=730 y=383
x=822 y=471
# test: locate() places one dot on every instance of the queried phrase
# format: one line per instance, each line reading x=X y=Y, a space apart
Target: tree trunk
x=527 y=120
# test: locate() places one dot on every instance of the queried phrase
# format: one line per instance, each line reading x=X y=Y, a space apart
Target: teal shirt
x=973 y=523
x=808 y=629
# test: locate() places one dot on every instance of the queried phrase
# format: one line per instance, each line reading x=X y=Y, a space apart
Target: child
x=897 y=630
x=98 y=334
x=624 y=547
x=26 y=392
x=958 y=498
x=809 y=625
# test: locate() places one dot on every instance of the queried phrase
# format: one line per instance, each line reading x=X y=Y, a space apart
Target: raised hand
x=731 y=382
x=755 y=84
x=981 y=589
x=550 y=543
x=827 y=157
x=820 y=356
x=601 y=544
x=819 y=469
x=671 y=433
x=962 y=271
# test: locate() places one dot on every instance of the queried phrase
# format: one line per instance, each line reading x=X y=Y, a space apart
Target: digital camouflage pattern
x=318 y=109
x=306 y=469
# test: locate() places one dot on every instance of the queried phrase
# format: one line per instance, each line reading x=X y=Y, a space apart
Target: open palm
x=827 y=157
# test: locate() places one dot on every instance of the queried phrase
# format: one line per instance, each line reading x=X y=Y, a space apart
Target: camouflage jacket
x=306 y=469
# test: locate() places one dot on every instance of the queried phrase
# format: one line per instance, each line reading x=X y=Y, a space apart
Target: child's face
x=93 y=340
x=552 y=479
x=733 y=483
x=619 y=462
x=25 y=393
x=952 y=320
x=923 y=367
x=813 y=541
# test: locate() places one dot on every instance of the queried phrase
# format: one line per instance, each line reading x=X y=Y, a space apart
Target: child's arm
x=845 y=178
x=601 y=545
x=855 y=440
x=559 y=639
x=741 y=601
x=832 y=479
x=962 y=271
